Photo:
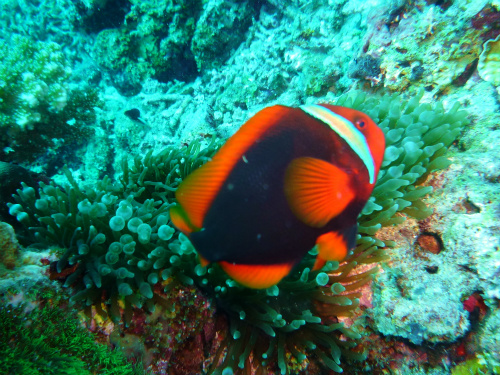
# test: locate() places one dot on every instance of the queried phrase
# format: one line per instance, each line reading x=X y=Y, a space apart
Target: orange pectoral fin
x=181 y=221
x=331 y=246
x=316 y=190
x=256 y=276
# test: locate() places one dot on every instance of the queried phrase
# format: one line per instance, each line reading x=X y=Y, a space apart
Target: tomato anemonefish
x=288 y=179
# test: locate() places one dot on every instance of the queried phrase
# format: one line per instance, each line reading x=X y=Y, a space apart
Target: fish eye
x=360 y=124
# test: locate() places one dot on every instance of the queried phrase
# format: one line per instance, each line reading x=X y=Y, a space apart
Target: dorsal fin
x=316 y=190
x=198 y=190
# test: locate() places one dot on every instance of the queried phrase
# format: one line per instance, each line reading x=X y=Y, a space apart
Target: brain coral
x=117 y=239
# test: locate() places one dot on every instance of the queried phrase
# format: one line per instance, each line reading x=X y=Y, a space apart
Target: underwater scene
x=249 y=187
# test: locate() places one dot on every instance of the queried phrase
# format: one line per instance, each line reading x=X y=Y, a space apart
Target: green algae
x=480 y=365
x=47 y=341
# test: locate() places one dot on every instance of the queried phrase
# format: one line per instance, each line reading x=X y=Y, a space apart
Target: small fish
x=135 y=115
x=287 y=180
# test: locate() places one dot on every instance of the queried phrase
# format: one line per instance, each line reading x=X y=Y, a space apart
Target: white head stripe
x=345 y=129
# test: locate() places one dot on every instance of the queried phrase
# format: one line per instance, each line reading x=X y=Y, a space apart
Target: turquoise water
x=107 y=105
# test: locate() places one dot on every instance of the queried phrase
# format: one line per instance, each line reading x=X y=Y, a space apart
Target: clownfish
x=287 y=180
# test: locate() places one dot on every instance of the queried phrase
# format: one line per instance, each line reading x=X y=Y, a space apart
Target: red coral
x=475 y=301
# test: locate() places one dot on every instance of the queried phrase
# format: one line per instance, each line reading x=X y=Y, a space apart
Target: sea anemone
x=118 y=236
x=115 y=235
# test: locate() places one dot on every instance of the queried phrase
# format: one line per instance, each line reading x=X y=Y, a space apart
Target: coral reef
x=488 y=66
x=171 y=40
x=305 y=52
x=220 y=29
x=34 y=74
x=119 y=244
x=44 y=340
x=302 y=52
x=116 y=235
x=420 y=48
x=418 y=283
x=9 y=247
x=173 y=338
x=153 y=42
x=420 y=313
x=47 y=21
x=35 y=98
x=434 y=309
x=476 y=366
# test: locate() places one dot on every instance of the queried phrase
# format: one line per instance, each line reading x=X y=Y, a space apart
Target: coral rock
x=488 y=66
x=430 y=242
x=9 y=247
